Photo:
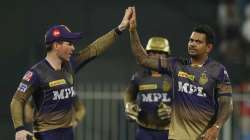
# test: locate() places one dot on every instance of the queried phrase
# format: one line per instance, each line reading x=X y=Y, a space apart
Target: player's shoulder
x=180 y=60
x=37 y=69
x=216 y=69
x=215 y=65
x=140 y=74
x=39 y=65
x=136 y=75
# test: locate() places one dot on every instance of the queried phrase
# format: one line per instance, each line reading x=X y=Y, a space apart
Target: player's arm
x=79 y=110
x=22 y=94
x=225 y=100
x=139 y=51
x=131 y=108
x=225 y=105
x=100 y=45
x=28 y=112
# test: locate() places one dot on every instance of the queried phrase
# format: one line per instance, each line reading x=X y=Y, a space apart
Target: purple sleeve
x=224 y=86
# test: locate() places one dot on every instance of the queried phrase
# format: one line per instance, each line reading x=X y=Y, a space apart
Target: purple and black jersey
x=149 y=92
x=195 y=99
x=200 y=92
x=53 y=95
x=53 y=90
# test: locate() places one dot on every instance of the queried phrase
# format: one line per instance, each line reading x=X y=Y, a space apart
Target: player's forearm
x=105 y=42
x=28 y=112
x=99 y=46
x=80 y=113
x=128 y=98
x=130 y=94
x=225 y=109
x=140 y=53
x=16 y=108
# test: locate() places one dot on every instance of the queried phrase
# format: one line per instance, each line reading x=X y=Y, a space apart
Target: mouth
x=192 y=51
x=71 y=53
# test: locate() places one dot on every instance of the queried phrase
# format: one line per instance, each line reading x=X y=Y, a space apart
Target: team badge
x=28 y=76
x=203 y=79
x=166 y=86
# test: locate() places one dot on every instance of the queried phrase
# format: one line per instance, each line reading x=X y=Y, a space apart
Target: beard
x=192 y=53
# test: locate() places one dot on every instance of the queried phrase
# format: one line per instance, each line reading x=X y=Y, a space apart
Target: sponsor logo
x=57 y=83
x=191 y=89
x=22 y=87
x=56 y=33
x=28 y=76
x=203 y=79
x=64 y=93
x=147 y=86
x=186 y=75
x=155 y=97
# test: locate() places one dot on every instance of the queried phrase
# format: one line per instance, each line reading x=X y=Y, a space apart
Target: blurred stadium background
x=102 y=82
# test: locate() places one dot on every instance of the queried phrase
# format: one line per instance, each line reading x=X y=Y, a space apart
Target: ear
x=55 y=46
x=209 y=47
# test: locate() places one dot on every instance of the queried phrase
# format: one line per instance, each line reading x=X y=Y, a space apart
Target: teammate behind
x=148 y=97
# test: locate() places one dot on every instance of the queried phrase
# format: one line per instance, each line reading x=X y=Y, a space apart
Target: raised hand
x=132 y=21
x=125 y=21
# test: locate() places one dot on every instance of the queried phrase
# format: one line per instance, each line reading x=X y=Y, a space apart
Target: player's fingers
x=29 y=133
x=206 y=137
x=131 y=116
x=164 y=117
x=21 y=137
x=162 y=114
x=134 y=13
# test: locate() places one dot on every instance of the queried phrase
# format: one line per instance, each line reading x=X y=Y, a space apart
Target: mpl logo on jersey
x=191 y=89
x=64 y=93
x=155 y=97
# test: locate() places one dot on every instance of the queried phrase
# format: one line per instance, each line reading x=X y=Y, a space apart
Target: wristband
x=118 y=31
x=19 y=128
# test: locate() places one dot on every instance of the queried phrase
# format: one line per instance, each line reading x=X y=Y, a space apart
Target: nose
x=72 y=47
x=192 y=44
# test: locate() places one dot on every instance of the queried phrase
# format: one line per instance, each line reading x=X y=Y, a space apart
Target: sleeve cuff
x=118 y=31
x=19 y=128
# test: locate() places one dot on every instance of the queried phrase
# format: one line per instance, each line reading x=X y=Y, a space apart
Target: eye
x=70 y=43
x=199 y=41
x=191 y=40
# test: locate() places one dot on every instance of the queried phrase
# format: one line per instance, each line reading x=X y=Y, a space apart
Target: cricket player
x=148 y=97
x=51 y=81
x=202 y=100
